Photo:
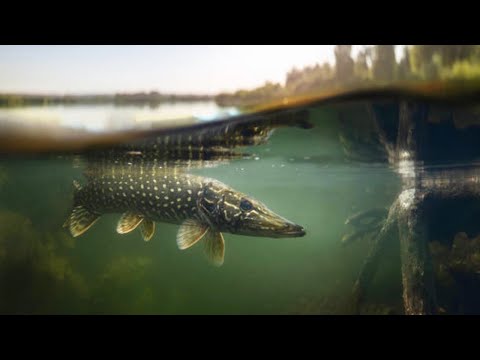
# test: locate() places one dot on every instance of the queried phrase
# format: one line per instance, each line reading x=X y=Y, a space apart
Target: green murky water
x=302 y=174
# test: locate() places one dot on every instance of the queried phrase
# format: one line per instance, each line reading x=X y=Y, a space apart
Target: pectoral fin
x=215 y=247
x=128 y=222
x=147 y=229
x=190 y=232
x=80 y=220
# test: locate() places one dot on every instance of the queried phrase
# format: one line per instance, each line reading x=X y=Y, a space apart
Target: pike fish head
x=228 y=210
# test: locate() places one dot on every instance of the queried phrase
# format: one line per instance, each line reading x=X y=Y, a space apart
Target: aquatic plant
x=457 y=266
x=36 y=274
x=122 y=279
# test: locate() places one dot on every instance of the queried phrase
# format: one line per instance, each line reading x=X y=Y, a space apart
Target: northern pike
x=207 y=143
x=145 y=192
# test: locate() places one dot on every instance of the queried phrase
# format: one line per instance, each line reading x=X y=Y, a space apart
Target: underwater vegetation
x=39 y=275
x=36 y=273
x=120 y=280
x=457 y=270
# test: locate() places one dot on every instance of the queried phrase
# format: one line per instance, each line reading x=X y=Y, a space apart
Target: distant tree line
x=152 y=99
x=373 y=65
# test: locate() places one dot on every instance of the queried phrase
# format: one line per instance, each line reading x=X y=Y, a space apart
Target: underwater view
x=352 y=202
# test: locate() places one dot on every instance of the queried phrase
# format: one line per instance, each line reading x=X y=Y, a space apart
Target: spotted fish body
x=162 y=196
x=146 y=192
x=252 y=130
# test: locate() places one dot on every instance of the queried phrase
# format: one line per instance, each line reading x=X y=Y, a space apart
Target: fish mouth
x=284 y=230
x=295 y=233
x=290 y=230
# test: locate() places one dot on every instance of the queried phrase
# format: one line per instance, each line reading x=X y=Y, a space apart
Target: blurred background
x=117 y=87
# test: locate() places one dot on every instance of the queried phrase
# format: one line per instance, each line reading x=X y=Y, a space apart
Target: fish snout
x=293 y=230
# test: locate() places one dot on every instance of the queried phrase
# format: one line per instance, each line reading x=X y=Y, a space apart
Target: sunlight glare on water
x=100 y=118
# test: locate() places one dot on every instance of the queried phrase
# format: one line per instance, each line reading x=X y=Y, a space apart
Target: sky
x=199 y=69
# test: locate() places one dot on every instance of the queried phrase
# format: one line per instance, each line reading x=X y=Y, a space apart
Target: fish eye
x=207 y=192
x=246 y=205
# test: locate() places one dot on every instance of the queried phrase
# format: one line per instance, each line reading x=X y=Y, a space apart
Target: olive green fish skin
x=166 y=198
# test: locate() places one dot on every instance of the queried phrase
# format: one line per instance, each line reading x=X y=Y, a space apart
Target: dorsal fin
x=190 y=232
x=128 y=222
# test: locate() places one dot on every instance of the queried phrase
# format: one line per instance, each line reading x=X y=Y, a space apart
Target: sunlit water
x=111 y=117
x=302 y=174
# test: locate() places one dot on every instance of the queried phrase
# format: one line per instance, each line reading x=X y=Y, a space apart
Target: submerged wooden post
x=419 y=296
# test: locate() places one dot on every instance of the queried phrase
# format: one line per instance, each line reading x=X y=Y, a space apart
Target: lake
x=329 y=166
